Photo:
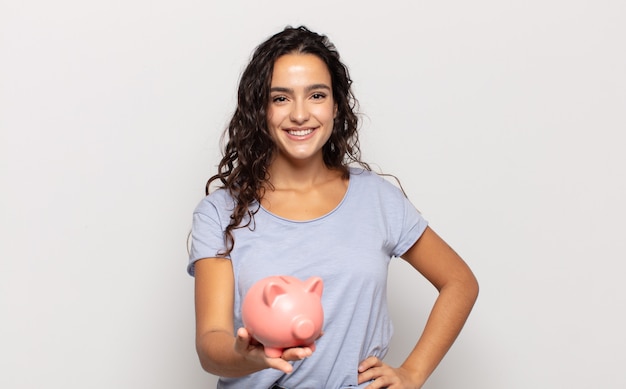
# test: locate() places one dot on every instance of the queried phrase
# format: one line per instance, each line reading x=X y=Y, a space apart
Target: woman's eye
x=318 y=96
x=279 y=99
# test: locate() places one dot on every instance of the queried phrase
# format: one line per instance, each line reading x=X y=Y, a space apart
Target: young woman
x=295 y=199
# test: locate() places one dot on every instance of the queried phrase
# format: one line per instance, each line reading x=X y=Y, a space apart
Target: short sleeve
x=413 y=226
x=207 y=235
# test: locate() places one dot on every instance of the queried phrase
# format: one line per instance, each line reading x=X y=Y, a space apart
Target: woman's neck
x=304 y=191
x=285 y=174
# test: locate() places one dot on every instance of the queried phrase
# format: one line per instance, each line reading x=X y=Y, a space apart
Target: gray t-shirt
x=349 y=248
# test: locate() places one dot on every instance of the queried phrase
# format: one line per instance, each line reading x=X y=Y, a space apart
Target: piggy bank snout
x=303 y=328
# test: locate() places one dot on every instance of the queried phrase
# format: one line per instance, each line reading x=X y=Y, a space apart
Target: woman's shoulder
x=360 y=174
x=374 y=181
x=219 y=200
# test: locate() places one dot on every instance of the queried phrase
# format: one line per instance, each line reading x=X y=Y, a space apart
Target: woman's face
x=301 y=107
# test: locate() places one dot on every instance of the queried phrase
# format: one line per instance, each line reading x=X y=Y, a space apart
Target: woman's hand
x=252 y=350
x=384 y=376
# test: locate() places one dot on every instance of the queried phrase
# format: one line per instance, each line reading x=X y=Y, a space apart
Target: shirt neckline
x=343 y=200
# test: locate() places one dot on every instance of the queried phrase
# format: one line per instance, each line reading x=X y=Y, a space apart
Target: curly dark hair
x=249 y=148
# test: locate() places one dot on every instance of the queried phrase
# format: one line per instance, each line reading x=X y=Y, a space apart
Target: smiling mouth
x=300 y=132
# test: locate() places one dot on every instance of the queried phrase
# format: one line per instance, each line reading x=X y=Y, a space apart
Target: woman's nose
x=299 y=112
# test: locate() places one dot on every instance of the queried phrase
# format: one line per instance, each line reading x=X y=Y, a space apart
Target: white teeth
x=300 y=132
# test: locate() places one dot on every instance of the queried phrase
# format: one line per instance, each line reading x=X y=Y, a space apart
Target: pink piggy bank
x=283 y=311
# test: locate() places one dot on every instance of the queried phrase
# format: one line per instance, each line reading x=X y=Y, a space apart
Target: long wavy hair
x=248 y=148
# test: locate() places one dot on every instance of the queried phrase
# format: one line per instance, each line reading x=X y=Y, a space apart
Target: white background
x=504 y=120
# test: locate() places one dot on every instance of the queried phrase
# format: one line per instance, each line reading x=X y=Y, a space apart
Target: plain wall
x=504 y=120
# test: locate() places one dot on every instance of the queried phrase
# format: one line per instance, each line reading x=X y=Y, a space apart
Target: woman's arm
x=220 y=351
x=458 y=290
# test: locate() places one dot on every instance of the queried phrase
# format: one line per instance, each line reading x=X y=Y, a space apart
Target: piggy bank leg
x=273 y=352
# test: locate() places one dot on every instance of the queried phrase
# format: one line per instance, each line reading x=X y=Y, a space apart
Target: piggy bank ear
x=314 y=285
x=271 y=291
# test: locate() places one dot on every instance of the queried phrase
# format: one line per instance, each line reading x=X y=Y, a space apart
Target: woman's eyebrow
x=307 y=89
